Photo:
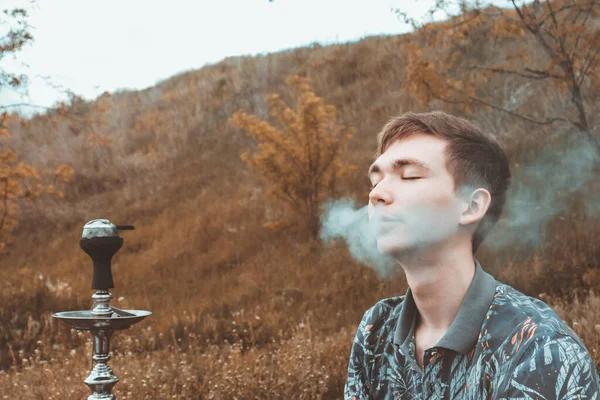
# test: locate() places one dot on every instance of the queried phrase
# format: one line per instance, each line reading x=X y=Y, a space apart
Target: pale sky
x=91 y=46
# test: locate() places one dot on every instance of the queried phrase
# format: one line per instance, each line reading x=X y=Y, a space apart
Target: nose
x=377 y=196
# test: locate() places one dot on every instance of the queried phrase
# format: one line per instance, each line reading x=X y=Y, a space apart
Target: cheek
x=432 y=208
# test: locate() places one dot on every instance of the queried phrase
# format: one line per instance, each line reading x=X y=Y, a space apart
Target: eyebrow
x=397 y=164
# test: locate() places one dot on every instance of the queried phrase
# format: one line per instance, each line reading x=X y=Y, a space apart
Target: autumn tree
x=90 y=119
x=300 y=160
x=18 y=35
x=551 y=46
x=19 y=181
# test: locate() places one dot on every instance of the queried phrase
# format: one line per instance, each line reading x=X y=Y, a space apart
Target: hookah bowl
x=100 y=240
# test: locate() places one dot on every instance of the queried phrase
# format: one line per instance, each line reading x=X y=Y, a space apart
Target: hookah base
x=98 y=396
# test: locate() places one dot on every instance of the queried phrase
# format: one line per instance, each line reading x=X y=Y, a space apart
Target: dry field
x=276 y=324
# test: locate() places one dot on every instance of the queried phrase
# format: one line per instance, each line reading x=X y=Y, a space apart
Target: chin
x=389 y=247
x=396 y=249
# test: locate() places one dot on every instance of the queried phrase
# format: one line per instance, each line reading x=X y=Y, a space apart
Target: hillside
x=248 y=310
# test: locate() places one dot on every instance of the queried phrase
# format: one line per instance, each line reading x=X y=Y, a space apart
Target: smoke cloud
x=544 y=189
x=540 y=190
x=341 y=219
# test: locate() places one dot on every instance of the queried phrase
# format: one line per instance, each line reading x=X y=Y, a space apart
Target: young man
x=439 y=185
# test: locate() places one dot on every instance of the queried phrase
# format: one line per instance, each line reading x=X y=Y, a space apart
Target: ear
x=475 y=206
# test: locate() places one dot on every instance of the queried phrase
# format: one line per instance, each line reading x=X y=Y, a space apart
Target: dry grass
x=238 y=311
x=300 y=367
x=250 y=352
x=270 y=329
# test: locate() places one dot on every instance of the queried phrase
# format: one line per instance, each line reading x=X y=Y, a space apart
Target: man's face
x=419 y=199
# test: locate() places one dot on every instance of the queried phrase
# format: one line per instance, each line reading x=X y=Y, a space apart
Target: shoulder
x=557 y=364
x=520 y=306
x=517 y=320
x=552 y=366
x=380 y=320
x=534 y=350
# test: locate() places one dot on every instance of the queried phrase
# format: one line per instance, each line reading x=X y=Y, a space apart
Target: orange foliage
x=565 y=55
x=19 y=180
x=85 y=117
x=94 y=140
x=300 y=162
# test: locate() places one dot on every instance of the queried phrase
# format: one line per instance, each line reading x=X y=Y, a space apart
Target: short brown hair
x=473 y=158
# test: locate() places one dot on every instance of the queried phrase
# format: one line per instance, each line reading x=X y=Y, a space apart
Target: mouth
x=387 y=226
x=389 y=220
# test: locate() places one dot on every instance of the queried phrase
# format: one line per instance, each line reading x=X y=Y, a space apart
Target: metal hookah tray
x=118 y=319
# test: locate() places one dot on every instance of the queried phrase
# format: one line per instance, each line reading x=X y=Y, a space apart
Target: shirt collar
x=464 y=331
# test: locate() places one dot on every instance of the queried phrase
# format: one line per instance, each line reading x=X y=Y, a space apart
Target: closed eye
x=406 y=179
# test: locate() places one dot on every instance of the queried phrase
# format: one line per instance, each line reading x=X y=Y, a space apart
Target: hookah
x=100 y=240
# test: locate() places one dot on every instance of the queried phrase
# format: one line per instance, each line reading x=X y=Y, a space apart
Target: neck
x=438 y=284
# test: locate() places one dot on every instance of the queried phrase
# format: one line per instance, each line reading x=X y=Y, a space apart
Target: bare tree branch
x=545 y=73
x=587 y=64
x=518 y=10
x=582 y=30
x=561 y=42
x=288 y=197
x=507 y=111
x=545 y=16
x=535 y=74
x=65 y=112
x=26 y=105
x=524 y=117
x=534 y=29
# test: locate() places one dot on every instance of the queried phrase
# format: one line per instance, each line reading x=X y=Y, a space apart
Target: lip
x=388 y=219
x=386 y=226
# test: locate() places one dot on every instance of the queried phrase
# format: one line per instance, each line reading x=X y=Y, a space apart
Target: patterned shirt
x=501 y=345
